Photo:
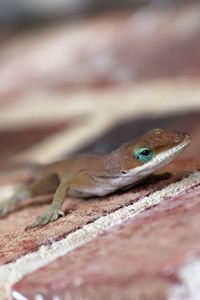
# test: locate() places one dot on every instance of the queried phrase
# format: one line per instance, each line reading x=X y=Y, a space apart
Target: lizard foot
x=50 y=215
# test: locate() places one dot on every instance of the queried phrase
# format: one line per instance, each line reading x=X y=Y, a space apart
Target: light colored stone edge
x=189 y=287
x=12 y=272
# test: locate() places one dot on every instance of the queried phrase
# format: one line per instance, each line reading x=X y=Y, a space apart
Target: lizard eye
x=143 y=154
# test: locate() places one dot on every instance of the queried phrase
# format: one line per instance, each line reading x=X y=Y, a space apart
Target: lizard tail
x=22 y=174
x=17 y=175
x=9 y=205
x=40 y=183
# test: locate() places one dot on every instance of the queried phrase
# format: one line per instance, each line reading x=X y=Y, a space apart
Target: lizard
x=94 y=175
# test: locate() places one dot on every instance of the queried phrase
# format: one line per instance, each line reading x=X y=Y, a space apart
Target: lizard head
x=136 y=160
x=152 y=151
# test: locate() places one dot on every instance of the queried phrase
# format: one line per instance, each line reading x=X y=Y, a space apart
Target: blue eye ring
x=143 y=154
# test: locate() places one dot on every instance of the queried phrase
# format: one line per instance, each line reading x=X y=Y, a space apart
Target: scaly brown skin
x=94 y=175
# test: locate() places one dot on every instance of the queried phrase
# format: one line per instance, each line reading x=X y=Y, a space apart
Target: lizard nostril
x=123 y=172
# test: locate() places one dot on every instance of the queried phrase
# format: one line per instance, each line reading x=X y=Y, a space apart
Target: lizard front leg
x=79 y=185
x=53 y=212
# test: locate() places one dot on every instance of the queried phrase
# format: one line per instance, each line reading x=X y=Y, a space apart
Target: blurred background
x=88 y=75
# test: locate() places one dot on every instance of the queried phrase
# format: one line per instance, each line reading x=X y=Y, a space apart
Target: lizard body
x=90 y=175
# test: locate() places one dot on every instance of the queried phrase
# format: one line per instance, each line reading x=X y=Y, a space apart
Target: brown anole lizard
x=91 y=175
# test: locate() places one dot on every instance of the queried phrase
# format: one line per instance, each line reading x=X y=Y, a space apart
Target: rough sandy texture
x=139 y=260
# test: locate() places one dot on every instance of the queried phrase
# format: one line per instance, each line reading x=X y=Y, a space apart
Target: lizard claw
x=49 y=216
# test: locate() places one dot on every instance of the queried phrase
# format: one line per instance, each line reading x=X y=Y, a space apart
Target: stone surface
x=21 y=12
x=93 y=53
x=139 y=260
x=15 y=242
x=16 y=140
x=126 y=131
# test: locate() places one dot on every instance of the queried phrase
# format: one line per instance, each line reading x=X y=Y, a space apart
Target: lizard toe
x=43 y=220
x=54 y=216
x=48 y=217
